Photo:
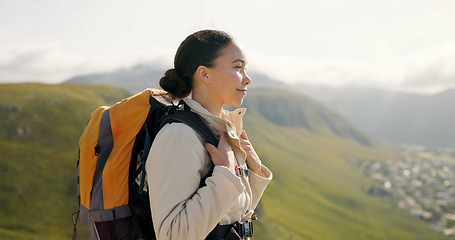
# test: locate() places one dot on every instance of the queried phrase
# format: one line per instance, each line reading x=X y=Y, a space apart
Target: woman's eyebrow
x=239 y=60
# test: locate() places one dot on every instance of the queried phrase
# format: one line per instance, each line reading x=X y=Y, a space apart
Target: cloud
x=434 y=74
x=46 y=63
x=51 y=64
x=326 y=72
x=430 y=70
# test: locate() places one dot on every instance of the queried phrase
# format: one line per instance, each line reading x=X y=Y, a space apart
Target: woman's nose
x=246 y=80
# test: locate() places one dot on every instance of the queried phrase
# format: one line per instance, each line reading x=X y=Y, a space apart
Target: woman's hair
x=199 y=49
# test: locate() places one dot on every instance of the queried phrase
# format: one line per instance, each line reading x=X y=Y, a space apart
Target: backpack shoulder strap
x=196 y=122
x=193 y=120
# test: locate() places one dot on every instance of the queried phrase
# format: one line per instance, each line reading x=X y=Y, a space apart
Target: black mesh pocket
x=118 y=229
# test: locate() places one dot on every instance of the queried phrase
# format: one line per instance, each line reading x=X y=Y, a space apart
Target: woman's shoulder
x=178 y=132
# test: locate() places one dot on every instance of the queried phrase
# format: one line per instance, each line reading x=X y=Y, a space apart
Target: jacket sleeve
x=258 y=184
x=180 y=209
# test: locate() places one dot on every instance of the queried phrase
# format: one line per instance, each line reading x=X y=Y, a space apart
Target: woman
x=211 y=66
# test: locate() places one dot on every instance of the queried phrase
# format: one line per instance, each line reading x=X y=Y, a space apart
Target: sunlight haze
x=406 y=45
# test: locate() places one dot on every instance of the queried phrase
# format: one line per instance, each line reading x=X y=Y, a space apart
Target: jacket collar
x=229 y=120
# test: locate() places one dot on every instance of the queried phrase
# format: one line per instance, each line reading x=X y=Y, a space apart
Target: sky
x=406 y=45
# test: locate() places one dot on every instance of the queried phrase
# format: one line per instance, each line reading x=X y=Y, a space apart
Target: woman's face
x=228 y=77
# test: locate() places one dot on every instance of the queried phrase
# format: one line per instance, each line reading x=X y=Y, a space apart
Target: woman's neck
x=206 y=102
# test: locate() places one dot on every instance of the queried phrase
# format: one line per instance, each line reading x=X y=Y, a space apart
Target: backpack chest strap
x=110 y=214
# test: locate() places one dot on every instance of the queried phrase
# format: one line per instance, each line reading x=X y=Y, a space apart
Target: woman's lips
x=242 y=90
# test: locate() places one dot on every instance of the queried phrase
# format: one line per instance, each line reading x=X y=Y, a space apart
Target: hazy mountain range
x=394 y=116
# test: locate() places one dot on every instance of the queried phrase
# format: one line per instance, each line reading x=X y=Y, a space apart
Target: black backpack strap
x=186 y=116
x=196 y=122
x=191 y=119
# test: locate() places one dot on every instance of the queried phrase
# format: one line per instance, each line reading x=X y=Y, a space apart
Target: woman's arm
x=181 y=210
x=261 y=175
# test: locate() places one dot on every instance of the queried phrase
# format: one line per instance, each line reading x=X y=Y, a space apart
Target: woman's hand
x=223 y=155
x=252 y=159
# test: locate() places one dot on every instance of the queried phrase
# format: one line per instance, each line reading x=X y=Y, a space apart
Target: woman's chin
x=235 y=103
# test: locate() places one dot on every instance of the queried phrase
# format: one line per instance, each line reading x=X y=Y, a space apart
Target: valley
x=421 y=181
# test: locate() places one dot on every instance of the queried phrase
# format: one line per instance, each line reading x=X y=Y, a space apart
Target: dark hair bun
x=173 y=83
x=199 y=49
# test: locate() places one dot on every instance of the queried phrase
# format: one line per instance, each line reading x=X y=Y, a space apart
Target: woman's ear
x=202 y=74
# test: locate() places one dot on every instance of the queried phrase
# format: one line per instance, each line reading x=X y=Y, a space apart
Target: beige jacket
x=176 y=163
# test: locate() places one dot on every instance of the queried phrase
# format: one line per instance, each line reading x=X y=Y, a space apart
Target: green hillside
x=315 y=194
x=39 y=130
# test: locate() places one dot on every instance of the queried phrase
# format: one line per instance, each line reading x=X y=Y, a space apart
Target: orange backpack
x=113 y=148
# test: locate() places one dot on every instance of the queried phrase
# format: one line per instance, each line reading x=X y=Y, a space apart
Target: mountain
x=316 y=193
x=143 y=76
x=394 y=116
x=133 y=79
x=304 y=111
x=284 y=108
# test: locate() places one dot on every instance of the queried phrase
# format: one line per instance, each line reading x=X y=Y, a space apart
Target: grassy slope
x=315 y=194
x=38 y=168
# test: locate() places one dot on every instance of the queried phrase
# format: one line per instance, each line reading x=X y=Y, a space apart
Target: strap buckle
x=241 y=171
x=244 y=229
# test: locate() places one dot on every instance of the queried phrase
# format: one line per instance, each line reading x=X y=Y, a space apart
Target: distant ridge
x=393 y=116
x=143 y=76
x=133 y=79
x=289 y=109
x=293 y=108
